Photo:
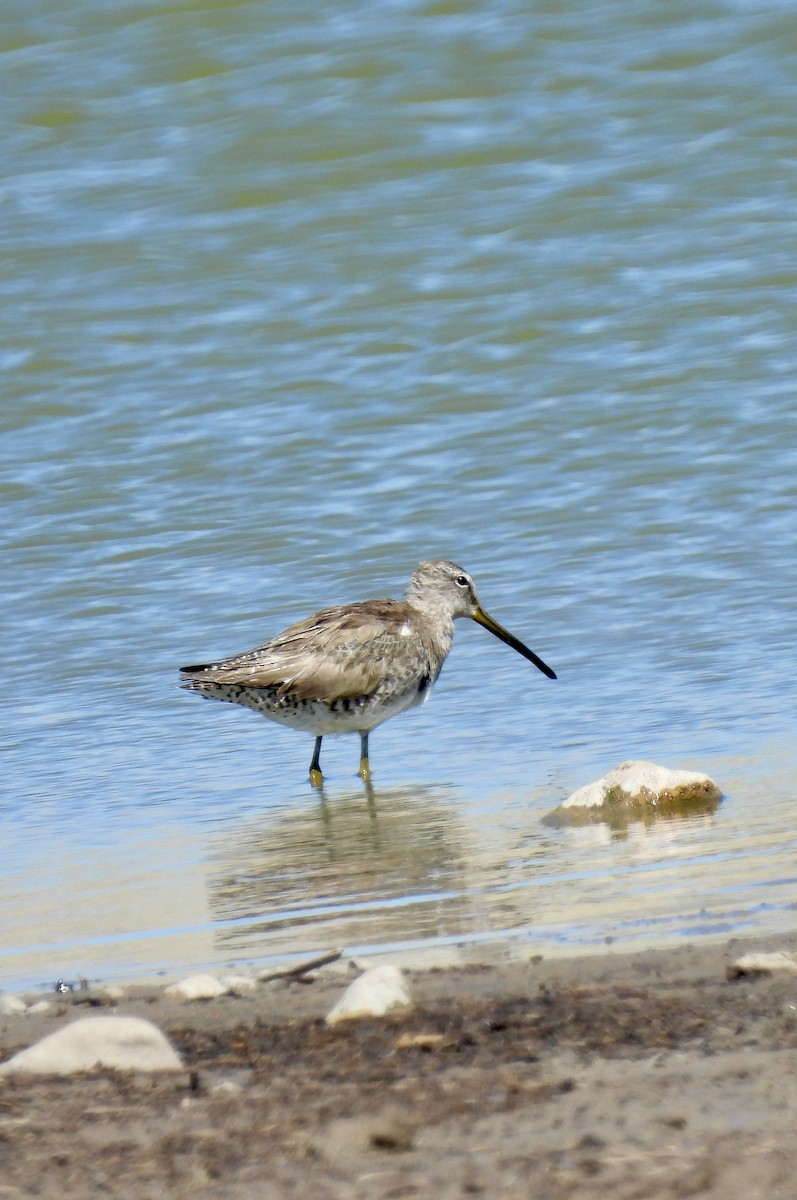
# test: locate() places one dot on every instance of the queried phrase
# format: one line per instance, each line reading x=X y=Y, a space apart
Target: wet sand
x=641 y=1076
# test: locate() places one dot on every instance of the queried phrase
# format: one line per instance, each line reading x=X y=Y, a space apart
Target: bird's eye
x=461 y=581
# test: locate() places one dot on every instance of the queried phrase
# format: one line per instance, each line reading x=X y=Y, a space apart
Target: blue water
x=297 y=296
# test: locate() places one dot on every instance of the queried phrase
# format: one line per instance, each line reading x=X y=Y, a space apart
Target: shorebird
x=348 y=669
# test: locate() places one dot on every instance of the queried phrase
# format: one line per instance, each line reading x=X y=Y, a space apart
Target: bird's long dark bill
x=483 y=618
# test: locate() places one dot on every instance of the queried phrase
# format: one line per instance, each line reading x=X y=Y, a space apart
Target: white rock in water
x=123 y=1043
x=372 y=995
x=11 y=1004
x=643 y=784
x=197 y=987
x=763 y=963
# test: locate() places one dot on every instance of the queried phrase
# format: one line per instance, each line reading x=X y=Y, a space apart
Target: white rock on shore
x=122 y=1043
x=375 y=993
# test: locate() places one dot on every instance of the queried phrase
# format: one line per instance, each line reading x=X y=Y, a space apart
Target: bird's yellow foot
x=364 y=771
x=316 y=778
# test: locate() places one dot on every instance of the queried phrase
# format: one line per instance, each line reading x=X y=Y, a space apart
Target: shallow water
x=295 y=296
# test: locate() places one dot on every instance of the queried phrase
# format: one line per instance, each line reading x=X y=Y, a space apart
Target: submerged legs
x=316 y=778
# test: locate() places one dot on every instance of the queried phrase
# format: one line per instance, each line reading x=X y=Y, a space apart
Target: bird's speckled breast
x=348 y=715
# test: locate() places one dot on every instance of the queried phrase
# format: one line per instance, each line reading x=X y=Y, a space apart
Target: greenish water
x=295 y=296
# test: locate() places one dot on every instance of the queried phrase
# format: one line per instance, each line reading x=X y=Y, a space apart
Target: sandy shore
x=638 y=1076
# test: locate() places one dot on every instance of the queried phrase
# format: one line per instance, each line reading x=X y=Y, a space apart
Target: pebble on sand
x=197 y=987
x=11 y=1004
x=238 y=985
x=108 y=994
x=40 y=1006
x=763 y=963
x=375 y=993
x=122 y=1043
x=639 y=790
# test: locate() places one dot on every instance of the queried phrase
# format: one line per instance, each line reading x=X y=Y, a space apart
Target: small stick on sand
x=302 y=969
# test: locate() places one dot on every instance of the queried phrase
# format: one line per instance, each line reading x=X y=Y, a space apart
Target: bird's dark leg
x=365 y=770
x=316 y=778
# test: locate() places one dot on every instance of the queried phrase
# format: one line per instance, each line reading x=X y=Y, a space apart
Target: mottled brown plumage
x=349 y=668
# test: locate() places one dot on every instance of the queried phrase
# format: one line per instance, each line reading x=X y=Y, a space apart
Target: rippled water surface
x=297 y=295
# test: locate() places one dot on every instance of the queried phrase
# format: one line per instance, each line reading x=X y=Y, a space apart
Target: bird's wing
x=336 y=654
